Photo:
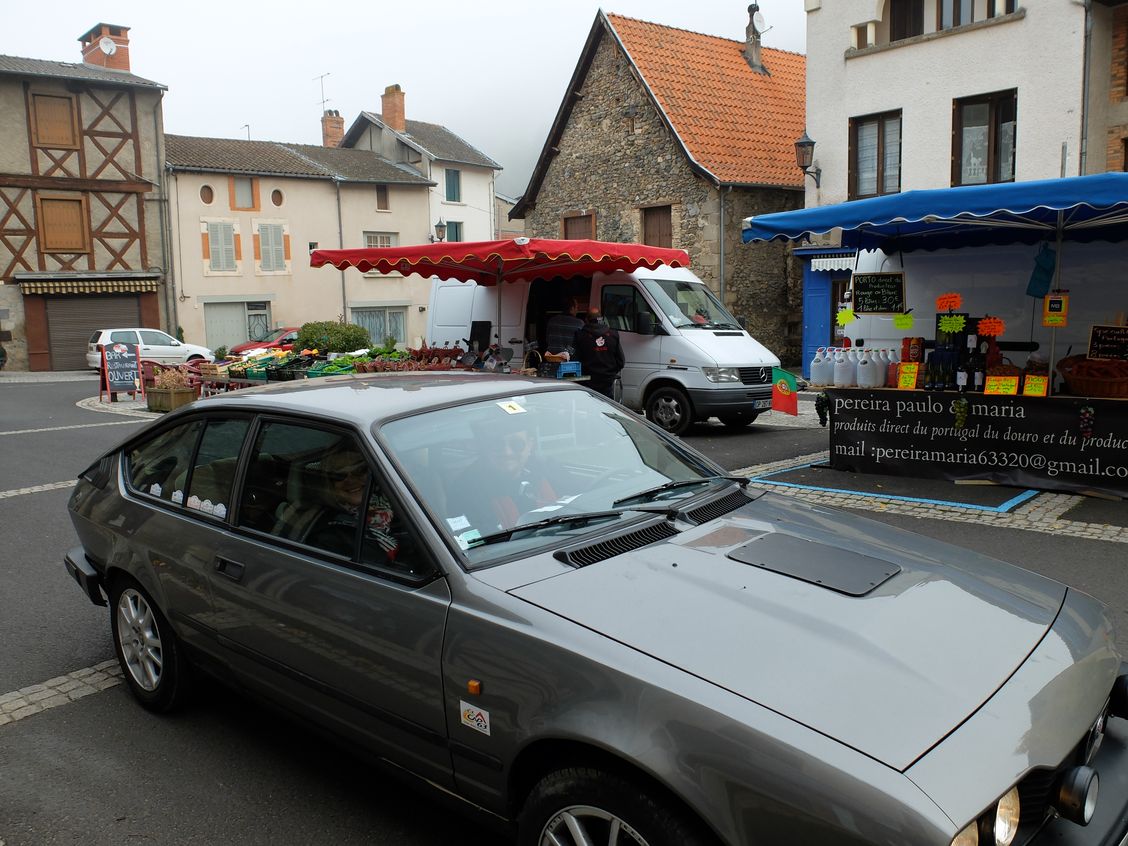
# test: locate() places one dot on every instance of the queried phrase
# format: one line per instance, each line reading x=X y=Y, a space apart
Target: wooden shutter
x=453 y=185
x=580 y=226
x=382 y=197
x=657 y=227
x=62 y=225
x=271 y=247
x=221 y=244
x=54 y=121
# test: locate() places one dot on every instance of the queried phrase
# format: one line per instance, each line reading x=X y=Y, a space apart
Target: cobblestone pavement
x=1044 y=513
x=60 y=690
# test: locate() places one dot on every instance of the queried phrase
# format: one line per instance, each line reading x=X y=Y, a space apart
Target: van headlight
x=721 y=374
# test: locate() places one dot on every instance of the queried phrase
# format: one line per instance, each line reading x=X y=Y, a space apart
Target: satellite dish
x=758 y=21
x=107 y=45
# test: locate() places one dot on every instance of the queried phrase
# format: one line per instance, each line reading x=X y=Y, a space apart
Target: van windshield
x=689 y=305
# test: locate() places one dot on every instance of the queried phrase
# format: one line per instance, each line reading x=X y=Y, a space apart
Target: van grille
x=755 y=375
x=718 y=507
x=611 y=547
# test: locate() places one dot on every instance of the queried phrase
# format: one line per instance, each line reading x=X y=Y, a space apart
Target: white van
x=687 y=357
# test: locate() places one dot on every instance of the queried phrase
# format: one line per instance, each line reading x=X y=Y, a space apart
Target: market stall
x=983 y=333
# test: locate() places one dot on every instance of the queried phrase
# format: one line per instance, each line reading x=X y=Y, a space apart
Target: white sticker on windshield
x=511 y=407
x=466 y=538
x=457 y=524
x=475 y=717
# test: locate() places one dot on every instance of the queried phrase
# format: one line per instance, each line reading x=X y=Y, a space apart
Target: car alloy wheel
x=584 y=824
x=140 y=639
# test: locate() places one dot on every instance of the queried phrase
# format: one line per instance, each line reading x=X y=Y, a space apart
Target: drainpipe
x=341 y=246
x=165 y=220
x=1088 y=4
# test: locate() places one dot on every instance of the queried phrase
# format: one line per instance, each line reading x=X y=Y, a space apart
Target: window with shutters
x=381 y=198
x=453 y=185
x=54 y=122
x=272 y=247
x=577 y=226
x=454 y=230
x=875 y=155
x=657 y=226
x=63 y=224
x=221 y=247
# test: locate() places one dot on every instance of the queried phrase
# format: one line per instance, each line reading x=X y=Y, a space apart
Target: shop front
x=983 y=333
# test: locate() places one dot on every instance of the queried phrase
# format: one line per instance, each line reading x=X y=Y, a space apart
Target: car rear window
x=94 y=338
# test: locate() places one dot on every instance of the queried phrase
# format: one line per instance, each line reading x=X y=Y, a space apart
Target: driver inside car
x=506 y=481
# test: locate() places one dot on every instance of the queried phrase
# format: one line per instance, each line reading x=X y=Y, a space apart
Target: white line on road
x=37 y=698
x=76 y=426
x=53 y=486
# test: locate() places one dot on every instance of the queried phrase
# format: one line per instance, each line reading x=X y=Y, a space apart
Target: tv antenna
x=321 y=79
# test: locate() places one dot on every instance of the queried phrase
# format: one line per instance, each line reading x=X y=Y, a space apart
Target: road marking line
x=53 y=486
x=76 y=426
x=61 y=690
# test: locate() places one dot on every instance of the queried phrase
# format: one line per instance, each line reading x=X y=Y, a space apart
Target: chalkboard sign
x=119 y=368
x=1108 y=342
x=879 y=293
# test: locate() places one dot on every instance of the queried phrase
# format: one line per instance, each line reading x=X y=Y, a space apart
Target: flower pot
x=167 y=399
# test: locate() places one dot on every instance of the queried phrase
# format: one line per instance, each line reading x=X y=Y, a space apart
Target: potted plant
x=172 y=388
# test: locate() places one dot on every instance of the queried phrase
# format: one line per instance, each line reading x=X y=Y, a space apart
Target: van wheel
x=580 y=805
x=670 y=409
x=739 y=419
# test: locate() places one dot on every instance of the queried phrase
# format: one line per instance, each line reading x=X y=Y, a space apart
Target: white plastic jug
x=816 y=367
x=822 y=372
x=843 y=371
x=882 y=362
x=869 y=373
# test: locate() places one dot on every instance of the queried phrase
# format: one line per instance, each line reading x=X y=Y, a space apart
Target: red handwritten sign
x=991 y=326
x=948 y=302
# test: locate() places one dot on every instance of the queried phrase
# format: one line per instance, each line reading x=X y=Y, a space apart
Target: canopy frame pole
x=1057 y=286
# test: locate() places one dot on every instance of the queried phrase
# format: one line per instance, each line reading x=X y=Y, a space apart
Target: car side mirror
x=175 y=343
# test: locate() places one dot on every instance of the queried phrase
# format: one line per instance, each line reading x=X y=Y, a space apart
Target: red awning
x=491 y=262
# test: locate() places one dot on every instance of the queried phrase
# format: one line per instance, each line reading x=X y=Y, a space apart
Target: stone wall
x=616 y=157
x=12 y=301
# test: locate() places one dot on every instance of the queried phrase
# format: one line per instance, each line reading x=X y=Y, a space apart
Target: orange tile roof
x=738 y=124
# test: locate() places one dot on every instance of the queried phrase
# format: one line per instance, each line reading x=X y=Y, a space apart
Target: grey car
x=529 y=597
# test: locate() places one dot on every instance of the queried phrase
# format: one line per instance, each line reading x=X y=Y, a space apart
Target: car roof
x=365 y=399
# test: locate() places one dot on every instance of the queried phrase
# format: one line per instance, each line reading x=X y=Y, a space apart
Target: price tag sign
x=1001 y=385
x=907 y=376
x=1055 y=310
x=1036 y=386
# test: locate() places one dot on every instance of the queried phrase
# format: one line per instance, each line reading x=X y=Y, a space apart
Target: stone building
x=81 y=241
x=671 y=138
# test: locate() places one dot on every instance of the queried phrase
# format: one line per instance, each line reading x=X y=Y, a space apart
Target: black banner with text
x=1056 y=443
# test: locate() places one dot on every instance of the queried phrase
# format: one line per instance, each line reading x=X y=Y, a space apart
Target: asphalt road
x=226 y=770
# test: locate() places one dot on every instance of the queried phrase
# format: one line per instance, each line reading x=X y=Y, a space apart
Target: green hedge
x=330 y=336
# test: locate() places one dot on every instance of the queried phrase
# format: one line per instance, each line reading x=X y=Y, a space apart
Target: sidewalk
x=28 y=377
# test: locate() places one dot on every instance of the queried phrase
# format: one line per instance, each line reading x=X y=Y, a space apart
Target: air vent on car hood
x=718 y=507
x=610 y=547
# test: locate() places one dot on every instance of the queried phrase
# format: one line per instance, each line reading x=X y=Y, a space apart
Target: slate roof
x=439 y=142
x=78 y=71
x=228 y=155
x=738 y=124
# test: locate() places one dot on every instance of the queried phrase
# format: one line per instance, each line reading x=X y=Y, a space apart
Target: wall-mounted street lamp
x=805 y=157
x=440 y=231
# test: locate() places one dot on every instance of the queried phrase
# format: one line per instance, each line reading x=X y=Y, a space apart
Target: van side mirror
x=743 y=321
x=644 y=323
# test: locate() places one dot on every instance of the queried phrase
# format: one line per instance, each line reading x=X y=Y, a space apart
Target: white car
x=153 y=344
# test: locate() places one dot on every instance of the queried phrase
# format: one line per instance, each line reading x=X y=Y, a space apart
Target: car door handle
x=232 y=569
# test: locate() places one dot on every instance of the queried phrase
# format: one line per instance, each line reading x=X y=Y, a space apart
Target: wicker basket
x=1091 y=386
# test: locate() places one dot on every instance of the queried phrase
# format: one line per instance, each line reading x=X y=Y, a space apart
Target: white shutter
x=221 y=245
x=272 y=247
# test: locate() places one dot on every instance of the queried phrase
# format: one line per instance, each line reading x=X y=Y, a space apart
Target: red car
x=277 y=339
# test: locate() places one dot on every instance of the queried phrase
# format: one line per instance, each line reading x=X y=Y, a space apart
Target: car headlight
x=721 y=374
x=1007 y=813
x=969 y=836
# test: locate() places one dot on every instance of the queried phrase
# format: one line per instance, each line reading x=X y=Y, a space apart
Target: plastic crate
x=568 y=368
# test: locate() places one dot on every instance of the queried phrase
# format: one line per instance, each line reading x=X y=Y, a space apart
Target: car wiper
x=678 y=483
x=558 y=520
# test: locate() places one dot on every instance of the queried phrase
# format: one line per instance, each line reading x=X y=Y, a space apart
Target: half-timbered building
x=81 y=244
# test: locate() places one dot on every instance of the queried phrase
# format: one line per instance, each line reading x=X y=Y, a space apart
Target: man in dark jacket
x=600 y=354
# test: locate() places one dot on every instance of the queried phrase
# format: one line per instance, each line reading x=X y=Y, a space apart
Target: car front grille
x=755 y=375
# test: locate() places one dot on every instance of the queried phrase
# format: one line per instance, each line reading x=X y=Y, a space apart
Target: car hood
x=890 y=672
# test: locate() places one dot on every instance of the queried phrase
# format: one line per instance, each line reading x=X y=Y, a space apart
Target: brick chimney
x=391 y=104
x=752 y=41
x=106 y=46
x=332 y=128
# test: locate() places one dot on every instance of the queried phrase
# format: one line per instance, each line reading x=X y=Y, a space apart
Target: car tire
x=146 y=647
x=196 y=358
x=576 y=800
x=739 y=419
x=670 y=409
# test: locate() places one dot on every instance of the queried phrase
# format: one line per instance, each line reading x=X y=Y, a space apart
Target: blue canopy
x=1077 y=208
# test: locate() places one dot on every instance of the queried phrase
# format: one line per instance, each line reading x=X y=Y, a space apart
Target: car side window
x=156 y=339
x=123 y=338
x=213 y=473
x=158 y=466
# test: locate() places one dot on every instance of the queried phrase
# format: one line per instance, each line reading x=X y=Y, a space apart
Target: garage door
x=72 y=320
x=225 y=324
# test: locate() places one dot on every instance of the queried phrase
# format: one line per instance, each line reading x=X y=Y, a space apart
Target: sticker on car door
x=475 y=717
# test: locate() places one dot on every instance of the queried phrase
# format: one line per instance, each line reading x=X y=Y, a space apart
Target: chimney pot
x=392 y=107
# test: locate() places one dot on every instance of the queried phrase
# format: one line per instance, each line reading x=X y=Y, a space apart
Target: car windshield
x=271 y=337
x=513 y=474
x=689 y=305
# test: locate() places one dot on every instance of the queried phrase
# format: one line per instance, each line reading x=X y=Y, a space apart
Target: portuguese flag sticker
x=785 y=395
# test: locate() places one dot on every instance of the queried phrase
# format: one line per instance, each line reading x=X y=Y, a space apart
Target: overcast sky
x=493 y=71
